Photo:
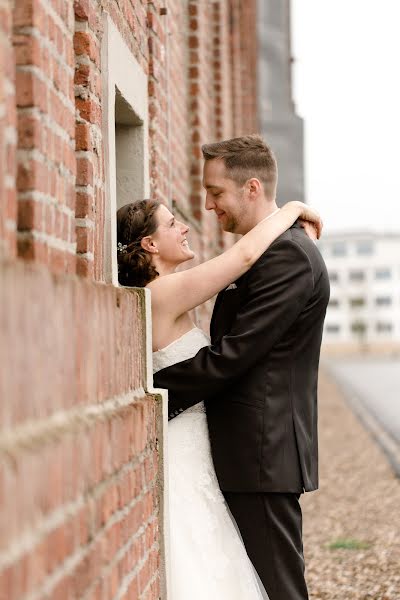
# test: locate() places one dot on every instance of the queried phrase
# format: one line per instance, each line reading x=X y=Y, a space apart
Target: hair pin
x=121 y=248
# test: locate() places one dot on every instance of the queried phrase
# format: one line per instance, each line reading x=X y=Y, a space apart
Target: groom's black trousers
x=271 y=528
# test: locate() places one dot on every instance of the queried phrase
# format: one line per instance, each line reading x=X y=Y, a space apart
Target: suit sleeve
x=279 y=286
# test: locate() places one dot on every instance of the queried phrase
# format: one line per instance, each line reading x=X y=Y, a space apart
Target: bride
x=208 y=558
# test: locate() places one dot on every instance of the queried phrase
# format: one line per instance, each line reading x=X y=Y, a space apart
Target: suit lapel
x=225 y=309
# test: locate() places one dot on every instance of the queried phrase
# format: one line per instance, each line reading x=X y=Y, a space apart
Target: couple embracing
x=242 y=435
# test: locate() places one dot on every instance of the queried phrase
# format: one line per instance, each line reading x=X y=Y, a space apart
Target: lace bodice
x=181 y=349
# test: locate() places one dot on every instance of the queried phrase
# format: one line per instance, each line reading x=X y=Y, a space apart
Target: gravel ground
x=352 y=523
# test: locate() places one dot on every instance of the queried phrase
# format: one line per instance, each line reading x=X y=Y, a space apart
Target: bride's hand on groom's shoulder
x=311 y=229
x=309 y=219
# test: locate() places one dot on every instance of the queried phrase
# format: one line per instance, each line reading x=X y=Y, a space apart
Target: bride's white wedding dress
x=207 y=557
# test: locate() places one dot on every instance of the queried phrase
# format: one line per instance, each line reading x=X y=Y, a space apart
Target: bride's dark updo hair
x=134 y=222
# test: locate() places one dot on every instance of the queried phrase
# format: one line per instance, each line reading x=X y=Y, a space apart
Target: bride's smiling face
x=169 y=242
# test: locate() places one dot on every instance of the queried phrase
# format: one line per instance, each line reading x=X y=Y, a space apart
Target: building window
x=339 y=249
x=334 y=328
x=130 y=170
x=359 y=328
x=383 y=274
x=357 y=302
x=334 y=303
x=365 y=248
x=125 y=133
x=382 y=327
x=357 y=276
x=383 y=301
x=333 y=276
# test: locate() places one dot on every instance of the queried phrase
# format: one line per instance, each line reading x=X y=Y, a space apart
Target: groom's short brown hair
x=245 y=157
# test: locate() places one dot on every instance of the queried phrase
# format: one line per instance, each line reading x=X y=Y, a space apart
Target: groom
x=258 y=377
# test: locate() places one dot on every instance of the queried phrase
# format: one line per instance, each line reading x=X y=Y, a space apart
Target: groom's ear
x=253 y=187
x=148 y=244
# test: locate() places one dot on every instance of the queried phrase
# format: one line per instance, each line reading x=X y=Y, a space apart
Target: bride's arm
x=179 y=292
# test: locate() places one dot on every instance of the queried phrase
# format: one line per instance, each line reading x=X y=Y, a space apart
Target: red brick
x=89 y=110
x=84 y=206
x=84 y=171
x=82 y=74
x=30 y=215
x=27 y=50
x=32 y=249
x=81 y=8
x=82 y=136
x=27 y=13
x=84 y=43
x=193 y=42
x=32 y=175
x=84 y=267
x=29 y=132
x=30 y=89
x=84 y=239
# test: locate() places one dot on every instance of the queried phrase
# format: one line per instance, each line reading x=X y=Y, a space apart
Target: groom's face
x=224 y=196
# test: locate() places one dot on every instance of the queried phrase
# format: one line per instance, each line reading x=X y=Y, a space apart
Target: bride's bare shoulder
x=155 y=288
x=165 y=289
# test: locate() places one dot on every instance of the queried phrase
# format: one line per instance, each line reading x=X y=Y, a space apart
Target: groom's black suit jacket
x=259 y=376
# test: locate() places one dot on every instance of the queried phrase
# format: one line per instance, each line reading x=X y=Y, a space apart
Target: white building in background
x=364 y=271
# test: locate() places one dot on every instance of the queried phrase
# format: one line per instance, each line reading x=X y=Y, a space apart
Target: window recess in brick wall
x=125 y=127
x=128 y=155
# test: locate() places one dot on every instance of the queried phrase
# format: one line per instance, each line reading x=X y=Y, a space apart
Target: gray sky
x=347 y=88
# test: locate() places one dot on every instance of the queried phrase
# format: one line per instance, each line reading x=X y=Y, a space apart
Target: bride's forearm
x=252 y=245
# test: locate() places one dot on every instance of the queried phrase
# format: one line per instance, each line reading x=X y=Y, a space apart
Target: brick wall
x=46 y=162
x=80 y=435
x=78 y=442
x=8 y=134
x=88 y=141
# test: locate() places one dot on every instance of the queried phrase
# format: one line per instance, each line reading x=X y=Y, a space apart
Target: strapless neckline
x=184 y=347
